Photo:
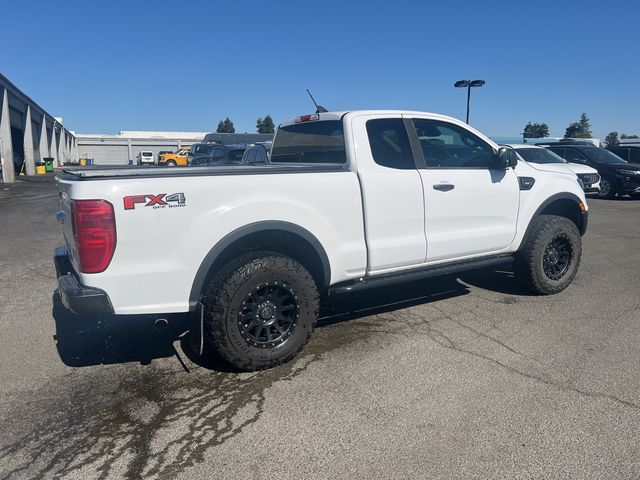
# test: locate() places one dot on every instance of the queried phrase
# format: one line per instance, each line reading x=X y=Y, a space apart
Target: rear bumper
x=75 y=296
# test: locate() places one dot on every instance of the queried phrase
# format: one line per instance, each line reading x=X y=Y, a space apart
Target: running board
x=413 y=275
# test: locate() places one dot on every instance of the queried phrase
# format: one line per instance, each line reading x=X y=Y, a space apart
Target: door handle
x=443 y=187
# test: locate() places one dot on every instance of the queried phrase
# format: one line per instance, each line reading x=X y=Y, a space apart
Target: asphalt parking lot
x=467 y=377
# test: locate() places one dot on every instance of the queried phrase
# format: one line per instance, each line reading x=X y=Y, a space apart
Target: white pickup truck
x=350 y=200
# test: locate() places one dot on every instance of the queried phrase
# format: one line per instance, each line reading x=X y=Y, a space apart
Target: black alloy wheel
x=606 y=188
x=259 y=310
x=557 y=257
x=549 y=255
x=268 y=315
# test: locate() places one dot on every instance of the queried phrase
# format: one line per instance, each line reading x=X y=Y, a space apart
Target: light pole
x=468 y=84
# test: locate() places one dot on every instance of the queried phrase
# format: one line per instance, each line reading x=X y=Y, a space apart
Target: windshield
x=600 y=155
x=539 y=155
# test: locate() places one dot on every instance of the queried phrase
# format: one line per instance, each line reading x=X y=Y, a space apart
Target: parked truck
x=178 y=158
x=349 y=201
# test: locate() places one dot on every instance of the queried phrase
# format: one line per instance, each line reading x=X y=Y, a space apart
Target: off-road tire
x=609 y=192
x=529 y=262
x=224 y=309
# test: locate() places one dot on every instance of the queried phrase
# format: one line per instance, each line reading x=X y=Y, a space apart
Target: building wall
x=20 y=145
x=104 y=154
x=118 y=150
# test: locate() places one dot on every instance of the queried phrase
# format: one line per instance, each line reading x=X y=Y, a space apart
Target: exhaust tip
x=160 y=324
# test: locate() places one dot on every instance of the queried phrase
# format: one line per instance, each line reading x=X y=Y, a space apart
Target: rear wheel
x=607 y=188
x=171 y=163
x=549 y=257
x=260 y=310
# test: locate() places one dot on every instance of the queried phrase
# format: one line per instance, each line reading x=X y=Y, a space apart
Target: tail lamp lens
x=94 y=234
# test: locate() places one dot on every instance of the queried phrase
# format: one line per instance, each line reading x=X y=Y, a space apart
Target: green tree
x=624 y=136
x=579 y=129
x=612 y=139
x=535 y=130
x=225 y=126
x=265 y=125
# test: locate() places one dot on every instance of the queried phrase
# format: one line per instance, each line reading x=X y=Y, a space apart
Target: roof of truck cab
x=340 y=114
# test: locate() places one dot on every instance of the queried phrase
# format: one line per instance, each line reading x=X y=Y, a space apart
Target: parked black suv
x=209 y=154
x=630 y=153
x=617 y=175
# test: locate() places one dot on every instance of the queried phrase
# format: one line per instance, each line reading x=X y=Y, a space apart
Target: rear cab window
x=389 y=142
x=316 y=142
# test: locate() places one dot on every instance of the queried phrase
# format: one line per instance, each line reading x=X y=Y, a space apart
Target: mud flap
x=197 y=329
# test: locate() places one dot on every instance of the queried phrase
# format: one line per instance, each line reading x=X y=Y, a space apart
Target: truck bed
x=164 y=172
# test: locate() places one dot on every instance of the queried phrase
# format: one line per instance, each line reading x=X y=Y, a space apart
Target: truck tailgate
x=65 y=217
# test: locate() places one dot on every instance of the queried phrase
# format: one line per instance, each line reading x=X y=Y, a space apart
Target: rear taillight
x=94 y=234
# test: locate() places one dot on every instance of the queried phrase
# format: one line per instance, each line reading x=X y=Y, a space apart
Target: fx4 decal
x=162 y=200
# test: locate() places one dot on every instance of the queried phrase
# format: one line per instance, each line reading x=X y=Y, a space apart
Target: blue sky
x=113 y=65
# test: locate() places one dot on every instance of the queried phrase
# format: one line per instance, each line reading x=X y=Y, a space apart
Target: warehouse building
x=123 y=149
x=28 y=134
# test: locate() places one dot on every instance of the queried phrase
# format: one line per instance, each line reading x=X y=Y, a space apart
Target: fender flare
x=230 y=238
x=561 y=196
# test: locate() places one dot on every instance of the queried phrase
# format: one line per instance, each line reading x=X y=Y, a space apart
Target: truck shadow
x=85 y=340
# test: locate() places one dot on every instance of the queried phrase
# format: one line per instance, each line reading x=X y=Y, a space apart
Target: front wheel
x=550 y=254
x=260 y=310
x=171 y=163
x=607 y=188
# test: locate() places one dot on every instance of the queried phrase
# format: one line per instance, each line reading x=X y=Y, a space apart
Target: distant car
x=630 y=153
x=171 y=159
x=218 y=155
x=616 y=175
x=146 y=157
x=589 y=177
x=255 y=155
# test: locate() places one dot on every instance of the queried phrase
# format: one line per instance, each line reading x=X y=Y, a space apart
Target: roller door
x=104 y=154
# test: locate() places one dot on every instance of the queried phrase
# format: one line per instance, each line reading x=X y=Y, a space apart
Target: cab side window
x=390 y=144
x=446 y=145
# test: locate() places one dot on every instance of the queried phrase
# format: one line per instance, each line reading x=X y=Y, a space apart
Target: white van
x=146 y=157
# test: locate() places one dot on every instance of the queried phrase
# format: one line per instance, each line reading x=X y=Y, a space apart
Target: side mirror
x=507 y=157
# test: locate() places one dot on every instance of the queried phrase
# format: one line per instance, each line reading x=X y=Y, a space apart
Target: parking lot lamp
x=468 y=84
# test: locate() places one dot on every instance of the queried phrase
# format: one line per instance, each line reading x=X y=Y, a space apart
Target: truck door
x=471 y=205
x=393 y=202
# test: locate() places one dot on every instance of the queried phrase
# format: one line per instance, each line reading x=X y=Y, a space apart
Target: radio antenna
x=319 y=108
